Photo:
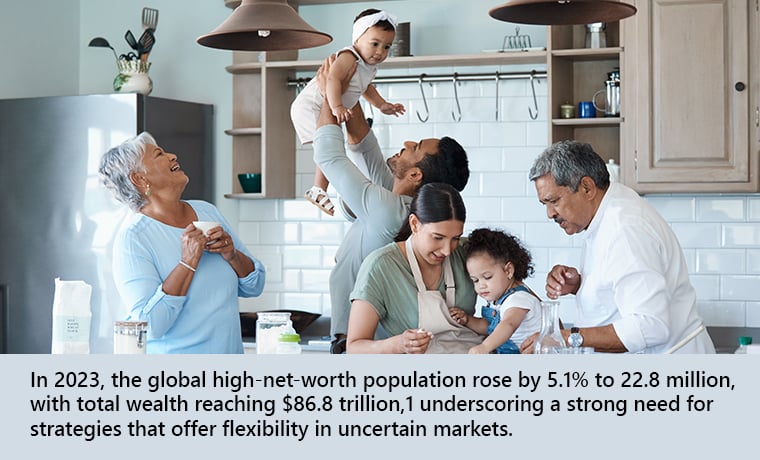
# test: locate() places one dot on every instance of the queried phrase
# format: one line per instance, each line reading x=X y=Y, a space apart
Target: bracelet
x=187 y=266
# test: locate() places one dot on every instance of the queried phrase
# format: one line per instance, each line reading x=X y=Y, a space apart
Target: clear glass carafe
x=550 y=338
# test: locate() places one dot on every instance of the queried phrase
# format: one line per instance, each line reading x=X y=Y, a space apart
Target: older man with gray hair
x=632 y=289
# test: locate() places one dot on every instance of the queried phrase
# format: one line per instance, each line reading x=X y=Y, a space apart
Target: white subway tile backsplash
x=704 y=235
x=315 y=280
x=486 y=209
x=720 y=209
x=524 y=209
x=721 y=261
x=484 y=158
x=722 y=313
x=321 y=232
x=673 y=209
x=741 y=235
x=268 y=300
x=303 y=301
x=707 y=286
x=300 y=209
x=753 y=314
x=502 y=184
x=520 y=159
x=537 y=134
x=249 y=232
x=503 y=134
x=736 y=287
x=302 y=256
x=258 y=210
x=753 y=262
x=753 y=208
x=547 y=234
x=279 y=233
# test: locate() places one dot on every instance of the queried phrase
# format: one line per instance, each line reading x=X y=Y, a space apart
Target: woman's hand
x=459 y=315
x=193 y=243
x=220 y=242
x=478 y=350
x=414 y=341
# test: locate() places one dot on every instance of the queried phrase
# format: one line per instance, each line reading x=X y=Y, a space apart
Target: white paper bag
x=71 y=317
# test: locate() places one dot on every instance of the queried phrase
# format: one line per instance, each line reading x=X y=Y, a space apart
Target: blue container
x=251 y=182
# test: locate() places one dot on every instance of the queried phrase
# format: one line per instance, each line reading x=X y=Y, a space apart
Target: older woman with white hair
x=183 y=282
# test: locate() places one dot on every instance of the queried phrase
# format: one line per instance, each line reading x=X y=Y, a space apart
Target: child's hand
x=392 y=109
x=458 y=315
x=478 y=350
x=341 y=113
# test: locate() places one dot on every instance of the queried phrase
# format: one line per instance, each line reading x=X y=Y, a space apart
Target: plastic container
x=289 y=344
x=743 y=342
x=129 y=337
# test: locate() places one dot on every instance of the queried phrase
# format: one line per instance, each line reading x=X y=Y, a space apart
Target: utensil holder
x=133 y=77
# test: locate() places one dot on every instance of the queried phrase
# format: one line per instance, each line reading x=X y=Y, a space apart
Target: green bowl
x=251 y=182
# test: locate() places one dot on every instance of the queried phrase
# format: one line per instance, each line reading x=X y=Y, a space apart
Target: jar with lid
x=743 y=342
x=289 y=344
x=269 y=326
x=130 y=337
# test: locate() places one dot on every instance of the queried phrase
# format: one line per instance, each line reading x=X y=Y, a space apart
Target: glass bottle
x=743 y=342
x=550 y=338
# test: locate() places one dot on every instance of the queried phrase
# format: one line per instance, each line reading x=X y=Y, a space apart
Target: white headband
x=365 y=22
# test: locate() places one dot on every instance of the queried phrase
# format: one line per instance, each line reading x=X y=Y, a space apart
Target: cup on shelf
x=586 y=109
x=250 y=182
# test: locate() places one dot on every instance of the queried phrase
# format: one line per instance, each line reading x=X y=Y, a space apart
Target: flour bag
x=71 y=317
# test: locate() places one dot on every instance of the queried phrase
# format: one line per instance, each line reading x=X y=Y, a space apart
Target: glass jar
x=550 y=338
x=289 y=344
x=129 y=337
x=269 y=326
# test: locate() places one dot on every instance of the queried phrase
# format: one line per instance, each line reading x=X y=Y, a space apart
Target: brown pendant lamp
x=264 y=25
x=562 y=12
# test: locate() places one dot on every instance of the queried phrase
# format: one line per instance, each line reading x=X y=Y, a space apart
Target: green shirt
x=385 y=280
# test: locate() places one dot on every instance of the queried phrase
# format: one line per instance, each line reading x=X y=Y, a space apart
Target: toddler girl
x=498 y=264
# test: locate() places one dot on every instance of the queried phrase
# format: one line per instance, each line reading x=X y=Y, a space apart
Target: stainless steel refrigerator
x=57 y=220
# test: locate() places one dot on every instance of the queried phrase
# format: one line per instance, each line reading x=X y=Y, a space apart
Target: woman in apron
x=408 y=286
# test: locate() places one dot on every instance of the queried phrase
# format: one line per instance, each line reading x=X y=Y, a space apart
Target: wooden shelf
x=243 y=131
x=588 y=54
x=408 y=62
x=598 y=121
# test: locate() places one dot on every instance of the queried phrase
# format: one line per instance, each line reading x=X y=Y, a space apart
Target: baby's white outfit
x=305 y=109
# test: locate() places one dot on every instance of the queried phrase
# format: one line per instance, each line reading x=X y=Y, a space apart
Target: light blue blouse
x=206 y=320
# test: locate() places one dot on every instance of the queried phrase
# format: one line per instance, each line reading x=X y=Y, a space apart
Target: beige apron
x=448 y=335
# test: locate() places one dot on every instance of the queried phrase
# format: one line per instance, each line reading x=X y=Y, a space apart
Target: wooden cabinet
x=576 y=73
x=691 y=95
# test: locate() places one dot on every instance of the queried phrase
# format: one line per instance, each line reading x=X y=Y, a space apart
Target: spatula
x=100 y=42
x=149 y=18
x=130 y=40
x=145 y=44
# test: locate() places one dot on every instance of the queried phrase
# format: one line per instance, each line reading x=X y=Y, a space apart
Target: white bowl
x=205 y=226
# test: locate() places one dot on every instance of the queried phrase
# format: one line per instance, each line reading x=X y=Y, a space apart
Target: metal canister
x=130 y=337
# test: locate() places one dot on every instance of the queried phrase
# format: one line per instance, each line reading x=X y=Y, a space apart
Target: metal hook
x=535 y=102
x=424 y=101
x=456 y=116
x=371 y=117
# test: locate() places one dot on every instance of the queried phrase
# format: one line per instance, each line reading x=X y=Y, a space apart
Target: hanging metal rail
x=533 y=75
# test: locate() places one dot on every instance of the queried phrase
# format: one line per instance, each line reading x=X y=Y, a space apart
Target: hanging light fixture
x=264 y=25
x=562 y=12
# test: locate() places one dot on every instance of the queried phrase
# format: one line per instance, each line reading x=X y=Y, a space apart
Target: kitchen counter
x=308 y=345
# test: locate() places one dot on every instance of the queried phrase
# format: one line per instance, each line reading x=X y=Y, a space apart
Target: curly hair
x=503 y=247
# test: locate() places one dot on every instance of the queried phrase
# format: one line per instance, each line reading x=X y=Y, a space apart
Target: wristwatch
x=575 y=339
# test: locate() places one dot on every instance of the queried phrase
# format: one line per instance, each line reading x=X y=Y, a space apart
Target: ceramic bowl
x=301 y=320
x=251 y=182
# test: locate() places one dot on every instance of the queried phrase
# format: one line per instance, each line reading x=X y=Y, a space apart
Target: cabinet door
x=688 y=80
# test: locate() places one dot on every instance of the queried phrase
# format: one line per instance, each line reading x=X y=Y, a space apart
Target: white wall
x=46 y=54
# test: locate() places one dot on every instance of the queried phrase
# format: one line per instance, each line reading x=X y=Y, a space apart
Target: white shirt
x=532 y=321
x=634 y=275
